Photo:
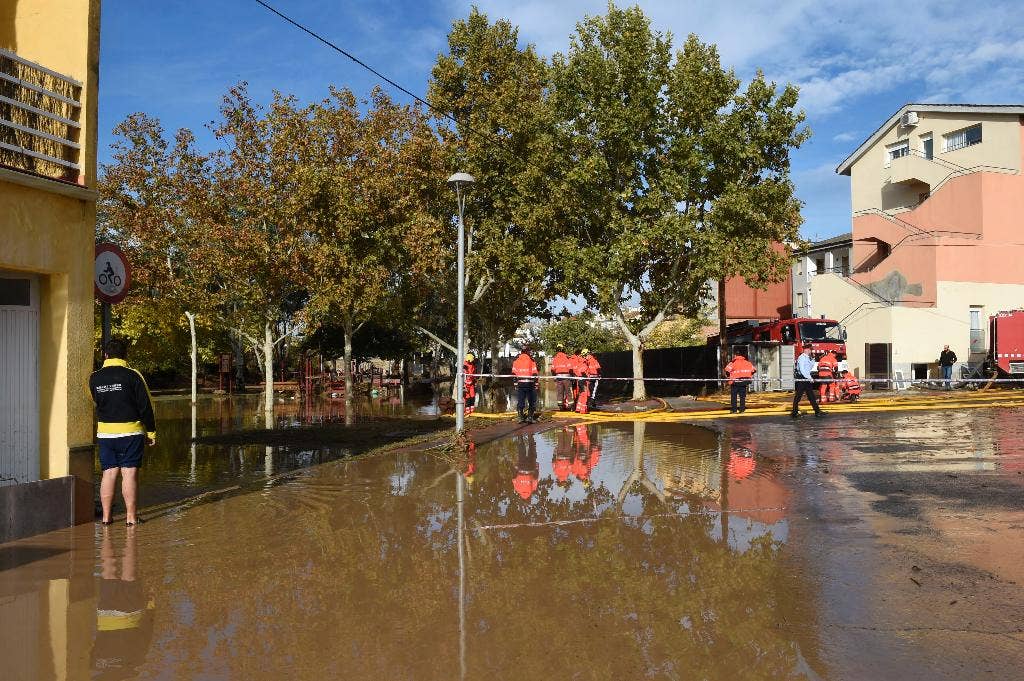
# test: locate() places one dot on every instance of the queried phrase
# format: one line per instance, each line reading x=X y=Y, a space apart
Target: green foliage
x=678 y=332
x=580 y=331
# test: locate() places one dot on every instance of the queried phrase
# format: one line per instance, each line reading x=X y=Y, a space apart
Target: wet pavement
x=862 y=546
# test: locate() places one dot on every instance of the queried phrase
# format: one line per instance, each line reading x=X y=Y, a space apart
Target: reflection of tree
x=638 y=474
x=353 y=573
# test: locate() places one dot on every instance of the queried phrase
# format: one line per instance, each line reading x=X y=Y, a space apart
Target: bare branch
x=447 y=346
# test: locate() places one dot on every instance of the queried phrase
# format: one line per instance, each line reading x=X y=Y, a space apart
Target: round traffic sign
x=111 y=273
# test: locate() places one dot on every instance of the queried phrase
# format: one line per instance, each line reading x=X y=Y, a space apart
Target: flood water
x=760 y=550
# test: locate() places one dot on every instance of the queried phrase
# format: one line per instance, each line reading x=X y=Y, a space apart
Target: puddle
x=601 y=551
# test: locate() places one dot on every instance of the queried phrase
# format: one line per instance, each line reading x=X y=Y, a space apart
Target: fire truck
x=1006 y=338
x=823 y=334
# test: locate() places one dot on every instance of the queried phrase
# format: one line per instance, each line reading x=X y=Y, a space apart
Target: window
x=844 y=265
x=16 y=292
x=927 y=147
x=819 y=266
x=962 y=138
x=800 y=300
x=897 y=150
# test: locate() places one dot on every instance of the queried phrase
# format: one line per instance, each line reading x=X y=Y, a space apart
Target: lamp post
x=460 y=181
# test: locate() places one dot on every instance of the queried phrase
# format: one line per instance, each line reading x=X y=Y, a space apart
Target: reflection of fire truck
x=1006 y=338
x=823 y=334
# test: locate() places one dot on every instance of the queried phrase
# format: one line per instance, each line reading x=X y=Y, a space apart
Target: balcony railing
x=40 y=112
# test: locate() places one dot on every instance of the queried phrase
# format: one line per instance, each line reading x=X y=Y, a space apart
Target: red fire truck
x=822 y=334
x=1006 y=338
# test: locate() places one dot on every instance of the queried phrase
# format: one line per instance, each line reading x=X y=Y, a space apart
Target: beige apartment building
x=49 y=64
x=938 y=205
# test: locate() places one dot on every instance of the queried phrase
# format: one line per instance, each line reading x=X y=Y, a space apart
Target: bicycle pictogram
x=109 y=276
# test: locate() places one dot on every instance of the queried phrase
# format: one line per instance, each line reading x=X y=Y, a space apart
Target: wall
x=1000 y=150
x=744 y=302
x=48 y=228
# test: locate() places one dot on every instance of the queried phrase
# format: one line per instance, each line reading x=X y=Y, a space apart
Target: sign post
x=112 y=275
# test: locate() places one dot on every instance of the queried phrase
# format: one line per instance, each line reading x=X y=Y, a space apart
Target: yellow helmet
x=584 y=351
x=470 y=356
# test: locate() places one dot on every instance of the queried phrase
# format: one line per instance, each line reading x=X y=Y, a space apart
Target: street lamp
x=461 y=181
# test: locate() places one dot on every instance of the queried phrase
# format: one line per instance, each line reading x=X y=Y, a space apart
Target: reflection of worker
x=124 y=414
x=739 y=371
x=527 y=468
x=526 y=377
x=469 y=470
x=587 y=456
x=124 y=613
x=561 y=460
x=469 y=369
x=561 y=367
x=828 y=370
x=804 y=382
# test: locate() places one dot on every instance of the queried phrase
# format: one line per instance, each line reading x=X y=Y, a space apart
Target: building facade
x=49 y=66
x=938 y=204
x=829 y=256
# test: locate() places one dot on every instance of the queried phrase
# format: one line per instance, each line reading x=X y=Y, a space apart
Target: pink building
x=938 y=211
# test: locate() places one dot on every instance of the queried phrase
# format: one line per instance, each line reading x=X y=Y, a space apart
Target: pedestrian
x=125 y=420
x=828 y=371
x=739 y=372
x=561 y=367
x=526 y=378
x=469 y=371
x=804 y=382
x=947 y=358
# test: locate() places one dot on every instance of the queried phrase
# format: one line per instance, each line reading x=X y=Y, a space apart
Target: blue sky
x=856 y=62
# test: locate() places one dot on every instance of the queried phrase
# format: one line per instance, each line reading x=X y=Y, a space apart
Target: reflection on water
x=626 y=550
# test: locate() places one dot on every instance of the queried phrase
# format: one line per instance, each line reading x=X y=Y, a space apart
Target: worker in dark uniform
x=125 y=420
x=524 y=369
x=804 y=382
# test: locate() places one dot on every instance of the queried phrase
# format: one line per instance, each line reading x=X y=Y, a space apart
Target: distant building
x=829 y=256
x=938 y=199
x=49 y=66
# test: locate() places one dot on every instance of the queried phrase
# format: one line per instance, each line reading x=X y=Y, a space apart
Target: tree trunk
x=348 y=333
x=493 y=389
x=639 y=387
x=268 y=369
x=723 y=341
x=194 y=353
x=239 y=348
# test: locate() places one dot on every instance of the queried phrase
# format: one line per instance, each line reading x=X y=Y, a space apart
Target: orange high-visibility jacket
x=575 y=364
x=561 y=364
x=469 y=368
x=590 y=366
x=525 y=484
x=524 y=368
x=828 y=363
x=739 y=369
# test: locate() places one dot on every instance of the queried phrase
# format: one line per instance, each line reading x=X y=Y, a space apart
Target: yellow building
x=49 y=67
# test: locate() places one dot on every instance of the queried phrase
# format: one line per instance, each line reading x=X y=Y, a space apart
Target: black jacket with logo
x=947 y=358
x=123 y=402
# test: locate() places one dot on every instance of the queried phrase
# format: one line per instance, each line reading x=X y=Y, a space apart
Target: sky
x=855 y=62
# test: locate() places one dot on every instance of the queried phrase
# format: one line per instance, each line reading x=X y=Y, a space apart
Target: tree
x=368 y=184
x=580 y=331
x=256 y=223
x=663 y=157
x=143 y=206
x=678 y=332
x=503 y=135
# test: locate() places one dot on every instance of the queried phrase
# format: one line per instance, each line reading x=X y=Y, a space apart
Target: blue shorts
x=121 y=452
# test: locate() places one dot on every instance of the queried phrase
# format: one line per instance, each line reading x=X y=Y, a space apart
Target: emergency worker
x=828 y=370
x=804 y=382
x=589 y=370
x=524 y=369
x=527 y=469
x=575 y=362
x=561 y=367
x=850 y=387
x=739 y=372
x=469 y=369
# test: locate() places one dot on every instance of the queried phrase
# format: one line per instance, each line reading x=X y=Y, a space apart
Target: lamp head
x=461 y=179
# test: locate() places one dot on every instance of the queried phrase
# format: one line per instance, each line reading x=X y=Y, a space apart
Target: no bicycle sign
x=111 y=273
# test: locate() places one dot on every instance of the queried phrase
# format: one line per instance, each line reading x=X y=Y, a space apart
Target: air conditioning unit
x=908 y=119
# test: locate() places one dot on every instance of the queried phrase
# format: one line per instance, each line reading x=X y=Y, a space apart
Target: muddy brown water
x=762 y=550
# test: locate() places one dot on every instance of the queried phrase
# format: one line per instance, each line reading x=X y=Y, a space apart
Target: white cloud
x=837 y=50
x=848 y=136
